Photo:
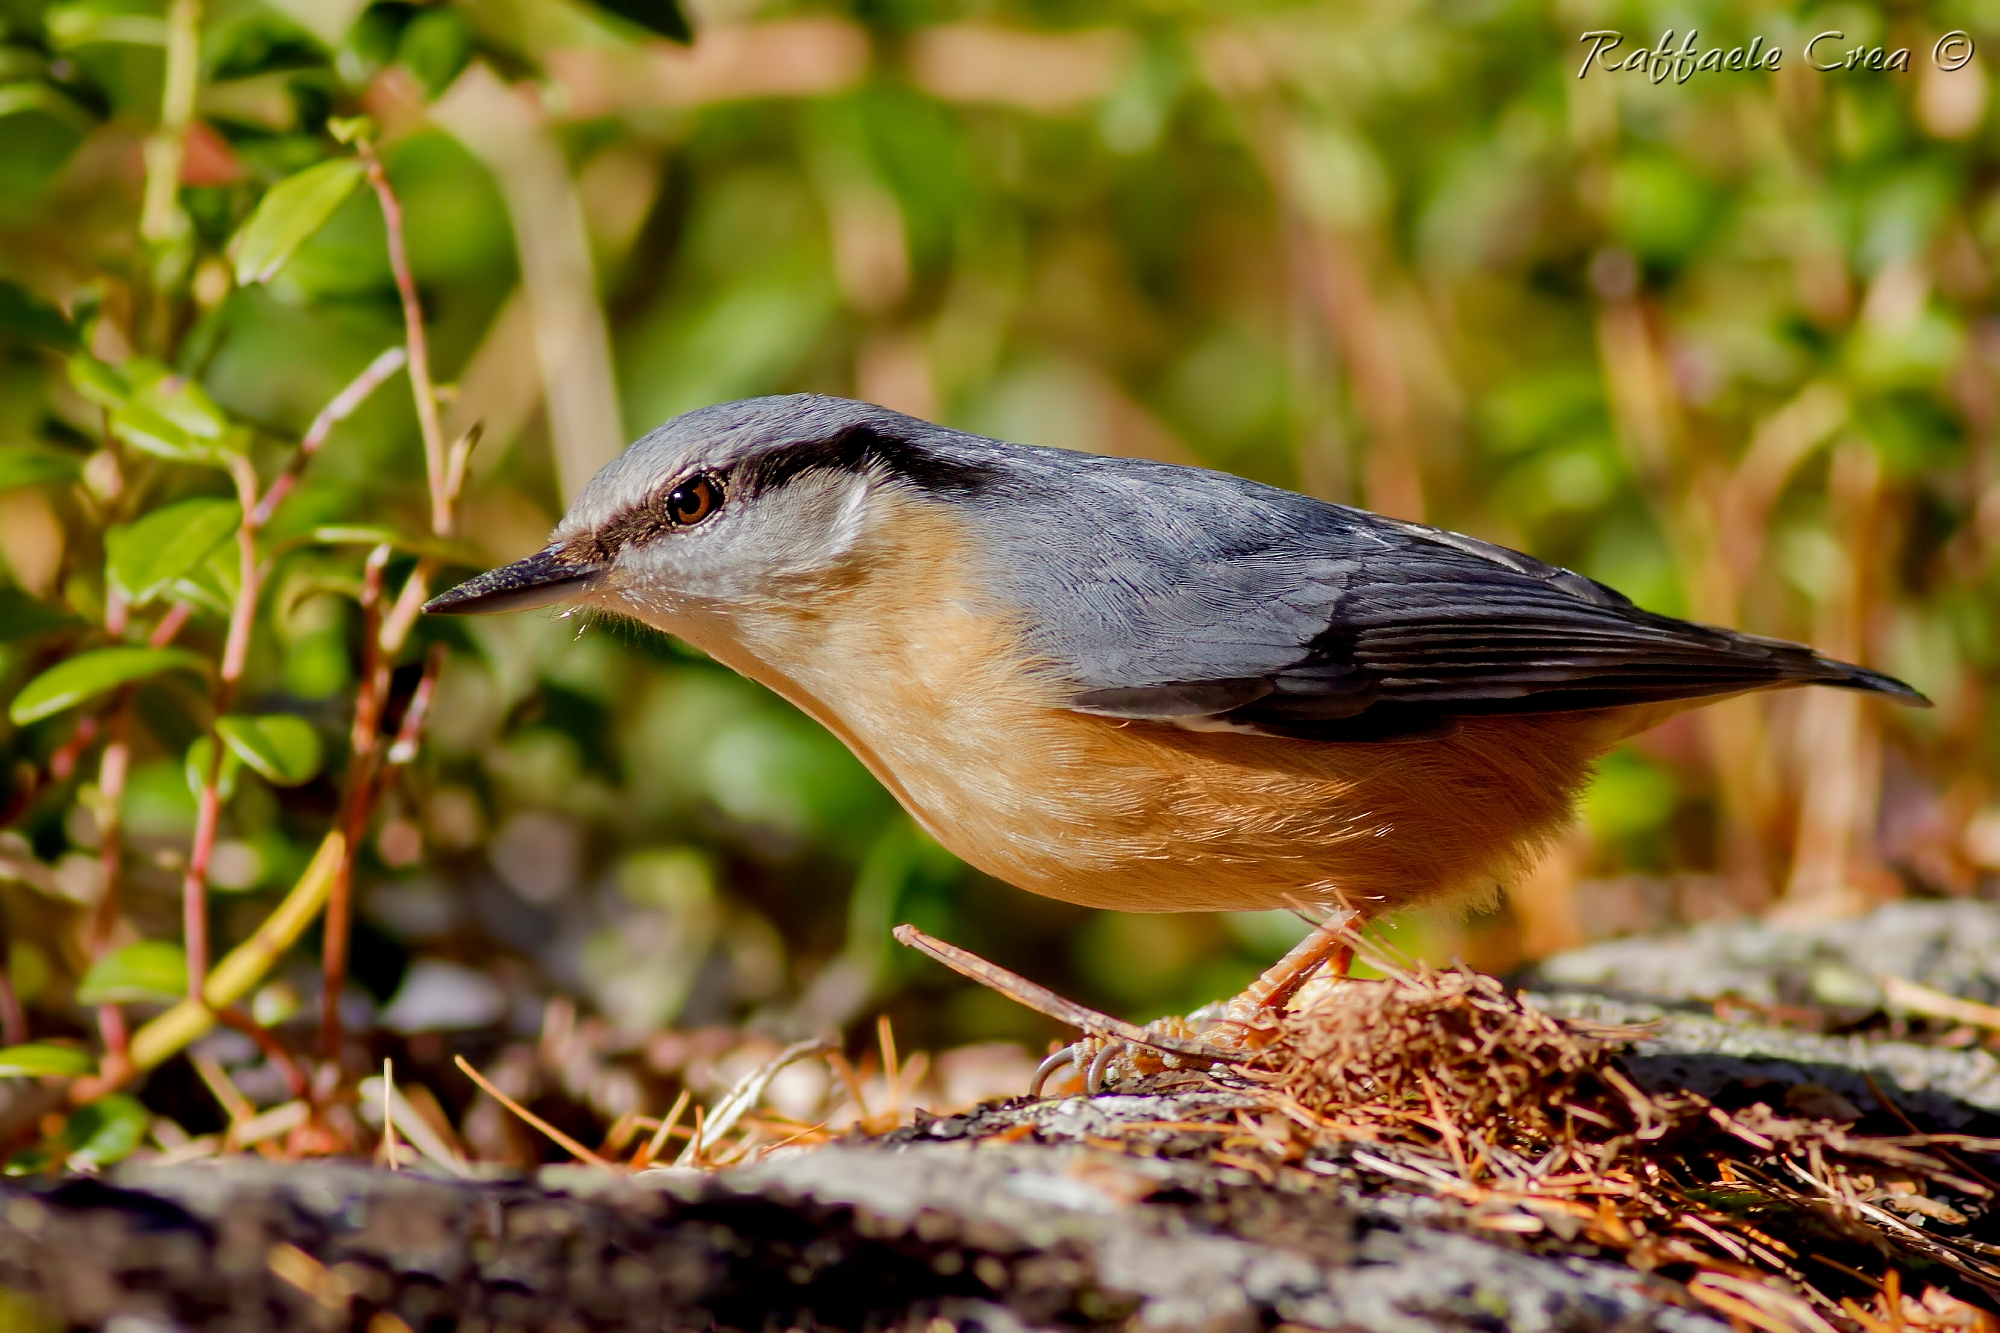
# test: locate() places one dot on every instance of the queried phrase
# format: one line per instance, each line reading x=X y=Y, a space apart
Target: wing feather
x=1411 y=629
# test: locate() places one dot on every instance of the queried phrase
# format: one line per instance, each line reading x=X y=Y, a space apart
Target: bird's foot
x=1113 y=1050
x=1234 y=1028
x=1096 y=1062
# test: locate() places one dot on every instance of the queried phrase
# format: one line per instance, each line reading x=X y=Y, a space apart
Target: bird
x=1132 y=684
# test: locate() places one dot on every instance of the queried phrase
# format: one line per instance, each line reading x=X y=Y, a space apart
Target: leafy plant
x=1723 y=344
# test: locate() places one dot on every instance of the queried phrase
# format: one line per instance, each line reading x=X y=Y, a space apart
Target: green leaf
x=36 y=465
x=23 y=616
x=435 y=47
x=28 y=1162
x=90 y=21
x=169 y=416
x=150 y=971
x=381 y=534
x=151 y=433
x=281 y=747
x=144 y=558
x=197 y=768
x=87 y=675
x=23 y=98
x=346 y=129
x=291 y=211
x=661 y=17
x=105 y=385
x=44 y=1059
x=105 y=1131
x=182 y=401
x=30 y=322
x=212 y=584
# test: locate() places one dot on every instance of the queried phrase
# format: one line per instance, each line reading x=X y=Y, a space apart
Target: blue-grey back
x=1156 y=590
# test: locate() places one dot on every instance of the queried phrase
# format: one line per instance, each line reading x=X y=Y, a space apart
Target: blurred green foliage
x=1726 y=344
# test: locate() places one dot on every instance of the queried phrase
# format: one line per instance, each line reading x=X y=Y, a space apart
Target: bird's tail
x=1847 y=676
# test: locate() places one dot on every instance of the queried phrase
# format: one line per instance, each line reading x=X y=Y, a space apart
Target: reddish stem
x=280 y=1058
x=111 y=1027
x=208 y=810
x=170 y=625
x=413 y=338
x=111 y=770
x=62 y=764
x=194 y=884
x=13 y=1019
x=335 y=412
x=385 y=633
x=412 y=729
x=369 y=698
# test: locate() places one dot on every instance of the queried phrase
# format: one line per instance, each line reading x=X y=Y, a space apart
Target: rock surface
x=1951 y=946
x=1000 y=1237
x=1064 y=1213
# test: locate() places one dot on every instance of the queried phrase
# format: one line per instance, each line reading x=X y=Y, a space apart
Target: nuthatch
x=1134 y=685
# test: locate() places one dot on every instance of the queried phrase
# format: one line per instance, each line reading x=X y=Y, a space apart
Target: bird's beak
x=536 y=581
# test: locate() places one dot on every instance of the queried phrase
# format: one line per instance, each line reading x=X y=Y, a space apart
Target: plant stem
x=365 y=742
x=194 y=884
x=338 y=410
x=234 y=975
x=386 y=633
x=160 y=218
x=235 y=653
x=13 y=1019
x=414 y=340
x=274 y=1050
x=163 y=227
x=112 y=767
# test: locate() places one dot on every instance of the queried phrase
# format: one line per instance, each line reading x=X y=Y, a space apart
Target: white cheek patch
x=810 y=524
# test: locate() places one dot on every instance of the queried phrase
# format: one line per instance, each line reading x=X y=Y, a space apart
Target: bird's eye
x=694 y=499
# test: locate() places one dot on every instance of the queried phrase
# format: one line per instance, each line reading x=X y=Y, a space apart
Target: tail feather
x=1848 y=676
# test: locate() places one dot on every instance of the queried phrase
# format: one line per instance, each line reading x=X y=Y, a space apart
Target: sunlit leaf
x=381 y=534
x=19 y=98
x=211 y=584
x=199 y=756
x=28 y=1162
x=346 y=129
x=183 y=402
x=278 y=746
x=144 y=558
x=31 y=322
x=105 y=1131
x=89 y=21
x=147 y=971
x=107 y=386
x=36 y=465
x=291 y=211
x=87 y=675
x=164 y=414
x=435 y=46
x=44 y=1059
x=150 y=432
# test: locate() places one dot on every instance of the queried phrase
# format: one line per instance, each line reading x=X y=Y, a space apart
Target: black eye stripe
x=692 y=500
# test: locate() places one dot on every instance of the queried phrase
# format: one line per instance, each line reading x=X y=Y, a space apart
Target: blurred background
x=1728 y=345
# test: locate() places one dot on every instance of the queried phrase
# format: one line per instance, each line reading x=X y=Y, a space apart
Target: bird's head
x=727 y=509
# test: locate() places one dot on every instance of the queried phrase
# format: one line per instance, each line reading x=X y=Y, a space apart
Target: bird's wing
x=1347 y=626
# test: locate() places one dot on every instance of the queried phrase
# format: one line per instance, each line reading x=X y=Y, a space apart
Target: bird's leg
x=1236 y=1025
x=1331 y=941
x=1112 y=1048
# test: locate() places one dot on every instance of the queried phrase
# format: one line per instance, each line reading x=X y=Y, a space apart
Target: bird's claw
x=1098 y=1062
